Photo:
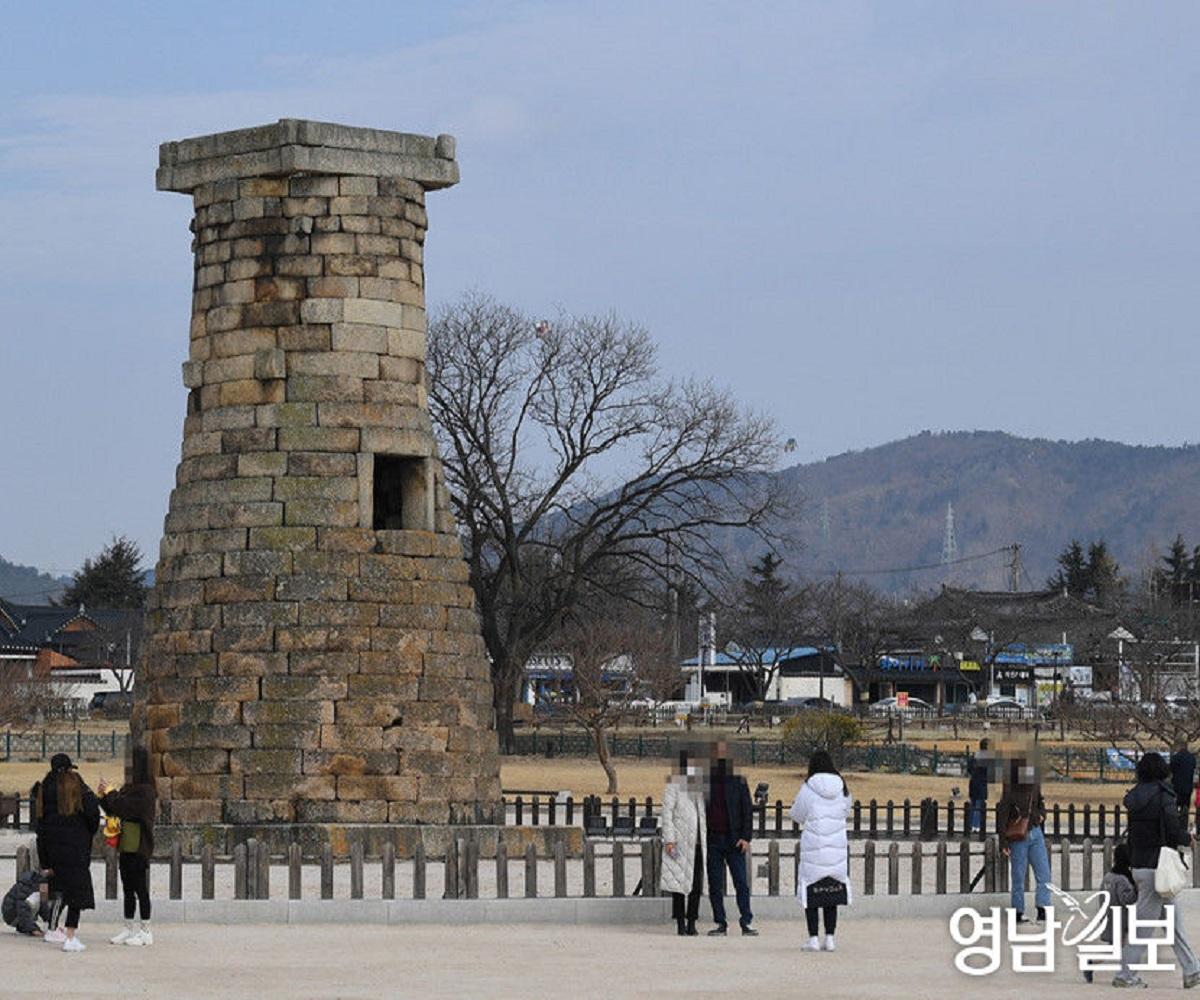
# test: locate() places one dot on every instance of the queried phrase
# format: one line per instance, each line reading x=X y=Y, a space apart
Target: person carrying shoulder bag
x=1154 y=823
x=1022 y=814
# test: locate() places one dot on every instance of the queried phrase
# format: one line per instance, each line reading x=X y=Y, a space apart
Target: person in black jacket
x=977 y=788
x=68 y=818
x=1183 y=778
x=729 y=817
x=1153 y=825
x=136 y=804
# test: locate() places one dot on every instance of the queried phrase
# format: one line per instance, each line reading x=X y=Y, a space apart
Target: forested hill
x=885 y=507
x=27 y=585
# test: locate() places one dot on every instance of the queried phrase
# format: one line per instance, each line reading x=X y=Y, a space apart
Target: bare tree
x=26 y=693
x=565 y=448
x=618 y=654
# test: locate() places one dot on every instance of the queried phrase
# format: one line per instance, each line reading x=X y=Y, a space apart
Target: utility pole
x=1014 y=570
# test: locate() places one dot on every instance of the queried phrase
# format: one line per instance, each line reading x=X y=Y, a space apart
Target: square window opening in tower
x=400 y=494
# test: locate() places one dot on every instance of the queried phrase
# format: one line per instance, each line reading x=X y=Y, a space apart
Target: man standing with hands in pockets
x=729 y=818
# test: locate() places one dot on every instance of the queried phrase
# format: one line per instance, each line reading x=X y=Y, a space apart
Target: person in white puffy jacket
x=684 y=844
x=822 y=806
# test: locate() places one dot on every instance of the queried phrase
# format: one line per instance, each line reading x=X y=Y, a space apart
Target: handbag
x=1017 y=827
x=1171 y=875
x=827 y=891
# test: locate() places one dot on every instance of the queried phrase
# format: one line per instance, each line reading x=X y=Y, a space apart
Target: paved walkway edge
x=510 y=911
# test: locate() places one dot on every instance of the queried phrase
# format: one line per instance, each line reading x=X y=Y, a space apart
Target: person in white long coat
x=685 y=844
x=822 y=806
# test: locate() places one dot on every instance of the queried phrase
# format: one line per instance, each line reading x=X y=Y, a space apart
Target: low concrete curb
x=512 y=911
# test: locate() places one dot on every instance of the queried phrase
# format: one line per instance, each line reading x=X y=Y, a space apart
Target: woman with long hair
x=68 y=818
x=685 y=843
x=135 y=803
x=823 y=882
x=1154 y=824
x=1021 y=815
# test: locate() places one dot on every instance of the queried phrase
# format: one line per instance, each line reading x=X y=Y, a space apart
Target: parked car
x=112 y=704
x=1006 y=708
x=804 y=704
x=889 y=706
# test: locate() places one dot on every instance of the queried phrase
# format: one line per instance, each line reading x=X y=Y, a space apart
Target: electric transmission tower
x=949 y=541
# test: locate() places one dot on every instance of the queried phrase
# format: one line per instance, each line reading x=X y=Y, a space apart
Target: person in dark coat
x=136 y=804
x=68 y=818
x=1153 y=825
x=1183 y=778
x=977 y=788
x=17 y=908
x=730 y=818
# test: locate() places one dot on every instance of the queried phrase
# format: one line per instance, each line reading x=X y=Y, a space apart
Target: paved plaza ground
x=892 y=958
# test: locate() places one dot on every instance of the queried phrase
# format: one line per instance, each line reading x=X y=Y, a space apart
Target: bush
x=810 y=731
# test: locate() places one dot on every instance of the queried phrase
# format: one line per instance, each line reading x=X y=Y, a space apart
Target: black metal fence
x=41 y=745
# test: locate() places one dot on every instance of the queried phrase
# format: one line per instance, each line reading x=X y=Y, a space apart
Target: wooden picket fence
x=877 y=868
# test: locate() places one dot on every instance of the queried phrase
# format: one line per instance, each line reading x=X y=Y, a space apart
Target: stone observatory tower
x=312 y=653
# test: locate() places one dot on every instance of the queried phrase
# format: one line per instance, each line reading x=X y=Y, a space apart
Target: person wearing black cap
x=68 y=818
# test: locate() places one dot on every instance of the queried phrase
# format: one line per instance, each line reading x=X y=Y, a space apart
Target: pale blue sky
x=867 y=218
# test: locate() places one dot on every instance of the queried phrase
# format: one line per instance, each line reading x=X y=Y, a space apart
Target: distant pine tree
x=113 y=580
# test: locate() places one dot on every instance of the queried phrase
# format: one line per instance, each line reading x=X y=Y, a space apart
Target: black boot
x=1041 y=916
x=681 y=930
x=691 y=929
x=718 y=931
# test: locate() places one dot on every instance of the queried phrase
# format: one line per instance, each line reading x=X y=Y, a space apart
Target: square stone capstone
x=297 y=146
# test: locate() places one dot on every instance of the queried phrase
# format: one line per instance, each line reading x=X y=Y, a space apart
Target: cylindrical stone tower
x=312 y=654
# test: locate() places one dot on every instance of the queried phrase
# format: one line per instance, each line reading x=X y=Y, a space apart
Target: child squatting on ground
x=27 y=902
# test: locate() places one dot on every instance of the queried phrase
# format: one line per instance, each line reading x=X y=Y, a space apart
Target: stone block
x=323 y=388
x=320 y=463
x=260 y=563
x=338 y=613
x=321 y=310
x=334 y=665
x=184 y=762
x=341 y=812
x=259 y=613
x=212 y=713
x=346 y=539
x=270 y=786
x=243 y=639
x=239 y=664
x=373 y=312
x=317 y=487
x=358 y=337
x=270 y=363
x=392 y=788
x=347 y=638
x=273 y=762
x=282 y=688
x=261 y=463
x=290 y=539
x=338 y=762
x=354 y=364
x=391 y=441
x=315 y=512
x=356 y=738
x=318 y=439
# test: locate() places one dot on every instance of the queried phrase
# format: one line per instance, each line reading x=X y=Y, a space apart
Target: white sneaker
x=56 y=936
x=74 y=944
x=141 y=939
x=829 y=943
x=813 y=944
x=125 y=935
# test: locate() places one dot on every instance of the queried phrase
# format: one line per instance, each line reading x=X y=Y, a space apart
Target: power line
x=913 y=569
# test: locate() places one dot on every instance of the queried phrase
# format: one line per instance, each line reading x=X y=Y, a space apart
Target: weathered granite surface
x=312 y=652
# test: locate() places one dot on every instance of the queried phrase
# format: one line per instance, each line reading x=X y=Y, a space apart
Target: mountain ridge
x=884 y=507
